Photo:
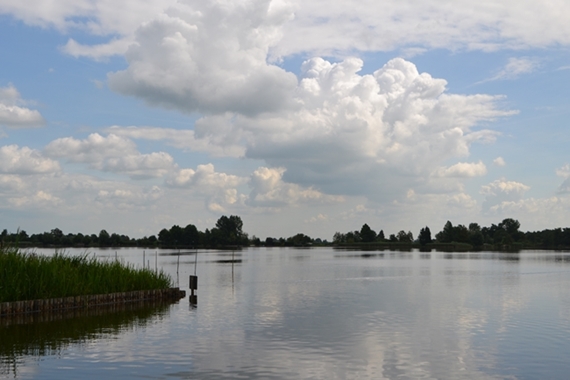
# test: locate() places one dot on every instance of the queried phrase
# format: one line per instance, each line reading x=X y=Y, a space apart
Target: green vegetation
x=27 y=276
x=503 y=236
x=228 y=233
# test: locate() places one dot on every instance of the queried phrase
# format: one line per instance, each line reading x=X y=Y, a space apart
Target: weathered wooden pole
x=194 y=282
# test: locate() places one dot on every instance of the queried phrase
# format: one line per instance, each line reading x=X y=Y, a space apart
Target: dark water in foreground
x=319 y=314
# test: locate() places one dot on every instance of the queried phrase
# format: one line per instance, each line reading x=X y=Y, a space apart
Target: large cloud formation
x=370 y=134
x=326 y=28
x=210 y=57
x=375 y=135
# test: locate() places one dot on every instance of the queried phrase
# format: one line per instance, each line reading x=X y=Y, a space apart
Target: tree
x=104 y=238
x=299 y=240
x=115 y=240
x=381 y=236
x=446 y=235
x=475 y=235
x=78 y=239
x=367 y=234
x=339 y=237
x=176 y=234
x=474 y=228
x=511 y=227
x=56 y=234
x=353 y=237
x=405 y=237
x=255 y=241
x=164 y=237
x=228 y=231
x=461 y=234
x=477 y=239
x=190 y=235
x=425 y=236
x=22 y=235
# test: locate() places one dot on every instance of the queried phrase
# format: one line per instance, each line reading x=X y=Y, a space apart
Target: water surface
x=319 y=314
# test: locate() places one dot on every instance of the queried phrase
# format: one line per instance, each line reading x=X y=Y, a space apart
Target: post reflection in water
x=324 y=314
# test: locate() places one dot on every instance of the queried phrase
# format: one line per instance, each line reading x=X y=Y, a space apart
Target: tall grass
x=27 y=276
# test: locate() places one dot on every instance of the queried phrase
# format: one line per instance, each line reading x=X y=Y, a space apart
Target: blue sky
x=298 y=117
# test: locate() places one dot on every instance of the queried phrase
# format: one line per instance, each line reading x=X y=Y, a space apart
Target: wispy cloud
x=514 y=69
x=499 y=161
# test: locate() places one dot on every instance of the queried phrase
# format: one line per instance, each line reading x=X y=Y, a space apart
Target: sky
x=299 y=117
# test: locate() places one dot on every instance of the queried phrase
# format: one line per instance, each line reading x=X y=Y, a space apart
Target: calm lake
x=318 y=314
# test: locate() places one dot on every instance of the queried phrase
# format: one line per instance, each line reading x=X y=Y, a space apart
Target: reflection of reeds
x=25 y=276
x=44 y=334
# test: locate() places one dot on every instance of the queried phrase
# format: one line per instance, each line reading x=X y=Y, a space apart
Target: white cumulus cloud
x=128 y=197
x=16 y=160
x=13 y=114
x=464 y=169
x=204 y=177
x=500 y=193
x=269 y=190
x=208 y=57
x=211 y=139
x=375 y=135
x=39 y=199
x=499 y=161
x=10 y=183
x=322 y=27
x=112 y=153
x=563 y=171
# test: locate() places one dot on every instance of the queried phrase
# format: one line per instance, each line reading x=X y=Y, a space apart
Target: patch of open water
x=319 y=314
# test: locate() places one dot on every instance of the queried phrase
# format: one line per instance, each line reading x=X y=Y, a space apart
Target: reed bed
x=27 y=276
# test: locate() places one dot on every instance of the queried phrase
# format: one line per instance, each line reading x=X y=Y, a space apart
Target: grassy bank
x=27 y=276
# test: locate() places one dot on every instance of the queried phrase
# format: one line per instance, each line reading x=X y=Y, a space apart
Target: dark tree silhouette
x=425 y=236
x=367 y=234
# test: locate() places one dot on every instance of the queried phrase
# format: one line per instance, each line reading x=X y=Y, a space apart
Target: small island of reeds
x=28 y=276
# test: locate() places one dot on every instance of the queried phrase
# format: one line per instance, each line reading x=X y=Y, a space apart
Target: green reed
x=27 y=276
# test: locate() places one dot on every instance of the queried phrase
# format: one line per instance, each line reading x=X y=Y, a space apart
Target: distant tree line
x=228 y=232
x=298 y=240
x=505 y=234
x=368 y=235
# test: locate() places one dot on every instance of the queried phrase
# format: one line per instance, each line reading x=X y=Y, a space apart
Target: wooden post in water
x=193 y=286
x=177 y=267
x=194 y=282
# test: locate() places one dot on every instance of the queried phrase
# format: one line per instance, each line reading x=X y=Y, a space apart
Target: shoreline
x=8 y=309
